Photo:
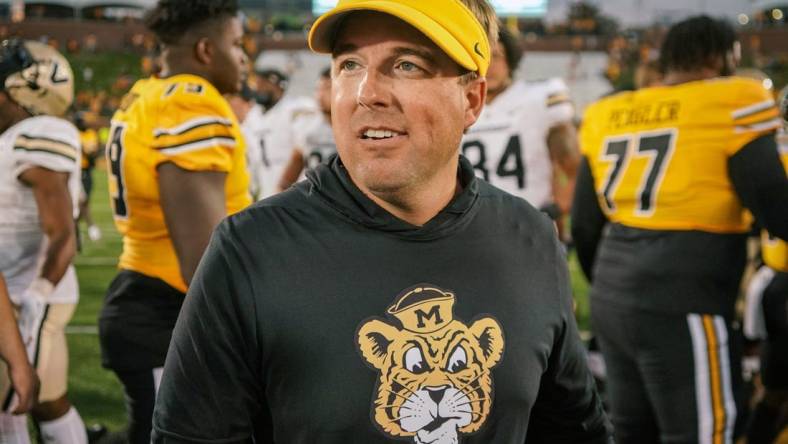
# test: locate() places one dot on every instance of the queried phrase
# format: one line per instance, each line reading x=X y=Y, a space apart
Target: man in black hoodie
x=434 y=308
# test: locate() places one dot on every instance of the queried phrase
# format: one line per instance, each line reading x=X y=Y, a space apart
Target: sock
x=68 y=429
x=13 y=429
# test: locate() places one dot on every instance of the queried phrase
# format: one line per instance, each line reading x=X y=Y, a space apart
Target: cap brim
x=325 y=29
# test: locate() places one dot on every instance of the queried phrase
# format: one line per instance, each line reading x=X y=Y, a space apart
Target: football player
x=670 y=170
x=176 y=159
x=312 y=135
x=39 y=188
x=767 y=318
x=270 y=127
x=525 y=141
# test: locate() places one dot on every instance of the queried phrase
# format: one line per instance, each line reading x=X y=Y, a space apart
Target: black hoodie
x=318 y=317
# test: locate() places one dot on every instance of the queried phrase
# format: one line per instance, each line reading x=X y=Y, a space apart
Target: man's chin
x=382 y=183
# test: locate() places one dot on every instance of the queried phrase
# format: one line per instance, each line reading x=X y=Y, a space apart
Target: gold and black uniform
x=660 y=225
x=184 y=120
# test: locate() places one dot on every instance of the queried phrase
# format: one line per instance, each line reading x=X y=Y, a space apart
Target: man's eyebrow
x=422 y=53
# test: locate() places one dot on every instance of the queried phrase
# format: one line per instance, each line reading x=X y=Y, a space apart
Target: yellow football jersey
x=775 y=251
x=181 y=119
x=659 y=156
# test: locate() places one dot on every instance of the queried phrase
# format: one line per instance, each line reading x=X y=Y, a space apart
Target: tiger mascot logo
x=435 y=382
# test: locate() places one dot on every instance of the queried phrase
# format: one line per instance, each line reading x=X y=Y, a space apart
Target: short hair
x=171 y=19
x=325 y=73
x=511 y=49
x=692 y=43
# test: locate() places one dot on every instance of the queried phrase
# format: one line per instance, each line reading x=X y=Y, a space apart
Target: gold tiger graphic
x=435 y=371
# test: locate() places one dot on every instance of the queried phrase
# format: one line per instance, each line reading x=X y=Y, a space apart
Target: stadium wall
x=118 y=35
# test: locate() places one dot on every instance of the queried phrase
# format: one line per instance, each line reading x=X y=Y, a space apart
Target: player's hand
x=26 y=385
x=31 y=313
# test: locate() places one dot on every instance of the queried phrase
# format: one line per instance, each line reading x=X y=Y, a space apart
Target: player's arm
x=12 y=351
x=760 y=182
x=193 y=203
x=292 y=170
x=568 y=408
x=194 y=141
x=55 y=211
x=211 y=389
x=565 y=155
x=588 y=220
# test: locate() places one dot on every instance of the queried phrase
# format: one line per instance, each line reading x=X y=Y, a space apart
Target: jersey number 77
x=657 y=146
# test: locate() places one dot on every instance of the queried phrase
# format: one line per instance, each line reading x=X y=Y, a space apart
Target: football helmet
x=36 y=76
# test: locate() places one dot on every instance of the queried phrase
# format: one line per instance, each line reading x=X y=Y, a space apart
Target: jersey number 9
x=115 y=160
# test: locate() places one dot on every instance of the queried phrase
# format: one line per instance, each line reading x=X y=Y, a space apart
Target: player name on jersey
x=659 y=113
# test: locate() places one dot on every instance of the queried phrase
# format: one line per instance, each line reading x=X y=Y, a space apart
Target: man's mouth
x=380 y=134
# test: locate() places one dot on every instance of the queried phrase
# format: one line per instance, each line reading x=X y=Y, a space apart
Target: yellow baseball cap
x=448 y=23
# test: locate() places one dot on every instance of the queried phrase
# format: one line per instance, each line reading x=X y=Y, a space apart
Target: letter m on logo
x=434 y=312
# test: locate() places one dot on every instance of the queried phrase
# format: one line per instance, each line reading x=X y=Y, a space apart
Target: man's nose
x=373 y=90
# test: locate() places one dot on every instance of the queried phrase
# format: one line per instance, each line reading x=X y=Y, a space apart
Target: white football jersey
x=507 y=146
x=313 y=136
x=40 y=141
x=272 y=133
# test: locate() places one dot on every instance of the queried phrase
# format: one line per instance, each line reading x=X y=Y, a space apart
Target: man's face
x=323 y=94
x=398 y=106
x=229 y=62
x=499 y=75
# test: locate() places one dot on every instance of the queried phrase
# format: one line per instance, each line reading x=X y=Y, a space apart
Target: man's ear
x=475 y=97
x=203 y=50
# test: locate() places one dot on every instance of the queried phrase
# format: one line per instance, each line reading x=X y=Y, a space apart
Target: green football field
x=94 y=390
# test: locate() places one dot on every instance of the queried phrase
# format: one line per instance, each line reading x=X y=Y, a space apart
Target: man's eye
x=408 y=67
x=348 y=65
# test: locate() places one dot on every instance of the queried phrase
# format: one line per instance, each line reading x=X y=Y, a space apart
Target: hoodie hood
x=332 y=184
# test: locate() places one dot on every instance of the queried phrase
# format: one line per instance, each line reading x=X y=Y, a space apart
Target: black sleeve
x=568 y=409
x=588 y=220
x=211 y=390
x=760 y=182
